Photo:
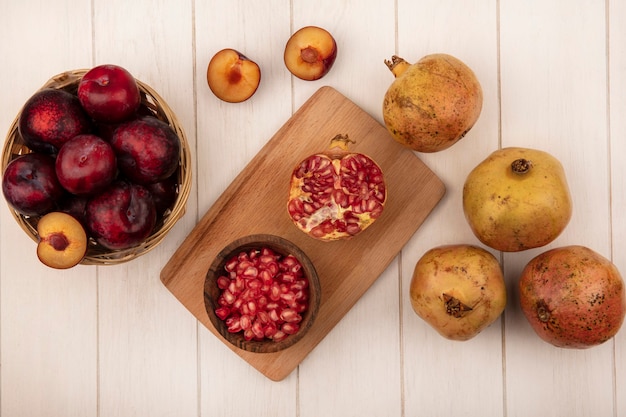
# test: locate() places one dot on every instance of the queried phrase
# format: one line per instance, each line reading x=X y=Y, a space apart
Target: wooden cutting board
x=255 y=202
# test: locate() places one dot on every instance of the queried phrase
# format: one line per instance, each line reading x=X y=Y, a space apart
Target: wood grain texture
x=617 y=150
x=115 y=341
x=469 y=374
x=48 y=318
x=412 y=192
x=542 y=109
x=136 y=313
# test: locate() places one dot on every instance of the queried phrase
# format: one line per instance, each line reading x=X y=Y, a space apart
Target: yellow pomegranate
x=431 y=104
x=517 y=199
x=458 y=290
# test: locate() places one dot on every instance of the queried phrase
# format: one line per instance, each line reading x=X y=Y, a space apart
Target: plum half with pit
x=30 y=184
x=62 y=240
x=86 y=164
x=50 y=118
x=310 y=53
x=122 y=216
x=232 y=76
x=147 y=149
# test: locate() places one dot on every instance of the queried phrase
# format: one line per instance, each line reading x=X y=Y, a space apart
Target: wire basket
x=96 y=254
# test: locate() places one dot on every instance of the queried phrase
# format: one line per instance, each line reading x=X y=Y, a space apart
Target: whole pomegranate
x=431 y=104
x=458 y=290
x=336 y=194
x=517 y=199
x=573 y=297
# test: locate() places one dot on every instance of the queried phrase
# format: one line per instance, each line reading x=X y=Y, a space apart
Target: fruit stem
x=397 y=65
x=455 y=307
x=521 y=166
x=341 y=141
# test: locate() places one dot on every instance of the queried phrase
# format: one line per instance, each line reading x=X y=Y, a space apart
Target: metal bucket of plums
x=96 y=168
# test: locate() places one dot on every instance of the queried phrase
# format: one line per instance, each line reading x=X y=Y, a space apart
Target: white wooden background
x=112 y=341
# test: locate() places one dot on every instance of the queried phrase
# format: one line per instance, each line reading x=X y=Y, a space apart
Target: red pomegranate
x=573 y=297
x=336 y=194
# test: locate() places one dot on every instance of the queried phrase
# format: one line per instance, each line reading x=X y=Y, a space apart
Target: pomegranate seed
x=222 y=312
x=244 y=309
x=267 y=251
x=266 y=259
x=290 y=328
x=289 y=277
x=257 y=329
x=279 y=335
x=245 y=322
x=223 y=282
x=270 y=330
x=264 y=292
x=274 y=316
x=252 y=307
x=231 y=265
x=228 y=296
x=300 y=284
x=290 y=316
x=250 y=272
x=266 y=276
x=261 y=302
x=288 y=297
x=233 y=324
x=275 y=292
x=248 y=334
x=263 y=317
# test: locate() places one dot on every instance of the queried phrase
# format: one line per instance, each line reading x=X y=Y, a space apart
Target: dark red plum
x=30 y=185
x=50 y=118
x=164 y=193
x=109 y=93
x=122 y=216
x=75 y=206
x=147 y=149
x=86 y=164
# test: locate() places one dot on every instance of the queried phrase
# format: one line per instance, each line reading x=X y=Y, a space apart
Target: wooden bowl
x=15 y=146
x=212 y=292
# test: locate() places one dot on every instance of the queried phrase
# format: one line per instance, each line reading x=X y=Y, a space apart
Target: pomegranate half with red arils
x=336 y=194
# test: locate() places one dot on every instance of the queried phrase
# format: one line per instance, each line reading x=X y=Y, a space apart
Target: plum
x=109 y=93
x=164 y=193
x=50 y=118
x=30 y=184
x=86 y=164
x=122 y=216
x=147 y=149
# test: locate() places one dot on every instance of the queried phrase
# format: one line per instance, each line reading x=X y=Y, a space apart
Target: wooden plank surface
x=541 y=109
x=256 y=203
x=471 y=373
x=115 y=341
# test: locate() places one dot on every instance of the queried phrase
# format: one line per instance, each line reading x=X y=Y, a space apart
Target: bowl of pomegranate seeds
x=262 y=293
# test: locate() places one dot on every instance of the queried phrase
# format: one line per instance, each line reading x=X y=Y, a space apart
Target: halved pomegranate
x=336 y=194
